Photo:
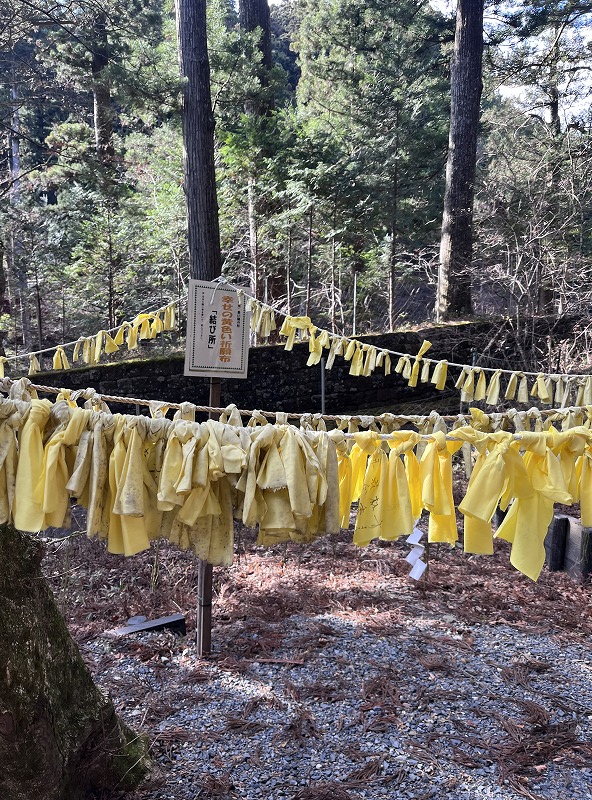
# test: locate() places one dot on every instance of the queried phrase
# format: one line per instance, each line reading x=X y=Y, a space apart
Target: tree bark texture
x=456 y=244
x=102 y=107
x=60 y=737
x=254 y=14
x=205 y=260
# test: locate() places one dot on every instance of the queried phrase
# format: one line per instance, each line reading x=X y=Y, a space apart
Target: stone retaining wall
x=280 y=380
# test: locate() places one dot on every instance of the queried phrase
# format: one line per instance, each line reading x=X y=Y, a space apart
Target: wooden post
x=204 y=608
x=556 y=543
x=205 y=570
x=586 y=553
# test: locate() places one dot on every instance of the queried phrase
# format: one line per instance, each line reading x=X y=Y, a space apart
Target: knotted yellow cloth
x=34 y=366
x=169 y=320
x=11 y=417
x=440 y=374
x=51 y=494
x=291 y=326
x=498 y=472
x=60 y=360
x=397 y=507
x=528 y=519
x=435 y=475
x=413 y=378
x=27 y=513
x=104 y=342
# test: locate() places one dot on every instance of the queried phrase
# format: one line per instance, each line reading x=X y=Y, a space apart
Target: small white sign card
x=414 y=558
x=414 y=537
x=415 y=554
x=217 y=331
x=418 y=569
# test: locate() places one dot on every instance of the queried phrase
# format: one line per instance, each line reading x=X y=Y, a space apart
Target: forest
x=360 y=167
x=331 y=139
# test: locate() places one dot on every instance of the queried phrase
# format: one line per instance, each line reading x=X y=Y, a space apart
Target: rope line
x=335 y=336
x=412 y=418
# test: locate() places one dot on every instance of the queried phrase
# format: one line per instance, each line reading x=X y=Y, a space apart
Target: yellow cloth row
x=475 y=383
x=526 y=473
x=146 y=477
x=142 y=478
x=89 y=349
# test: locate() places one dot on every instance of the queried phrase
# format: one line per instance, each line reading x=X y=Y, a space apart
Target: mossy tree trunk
x=60 y=737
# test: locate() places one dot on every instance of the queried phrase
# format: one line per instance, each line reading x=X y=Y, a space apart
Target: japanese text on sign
x=217 y=331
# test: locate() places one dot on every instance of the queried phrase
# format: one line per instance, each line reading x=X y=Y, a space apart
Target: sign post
x=217 y=346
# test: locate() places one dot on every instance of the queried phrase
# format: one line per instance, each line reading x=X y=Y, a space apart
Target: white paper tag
x=415 y=553
x=414 y=537
x=418 y=569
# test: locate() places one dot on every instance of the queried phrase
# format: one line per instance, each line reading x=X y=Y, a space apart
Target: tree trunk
x=39 y=311
x=393 y=252
x=309 y=261
x=254 y=14
x=102 y=107
x=60 y=737
x=456 y=244
x=333 y=265
x=253 y=245
x=203 y=231
x=15 y=260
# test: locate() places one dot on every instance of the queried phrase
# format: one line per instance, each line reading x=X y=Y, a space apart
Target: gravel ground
x=334 y=676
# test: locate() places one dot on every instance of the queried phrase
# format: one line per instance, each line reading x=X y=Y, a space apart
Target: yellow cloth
x=435 y=475
x=104 y=342
x=384 y=357
x=528 y=519
x=496 y=473
x=60 y=360
x=27 y=514
x=360 y=452
x=51 y=493
x=11 y=417
x=344 y=467
x=291 y=326
x=481 y=388
x=440 y=374
x=120 y=335
x=493 y=390
x=157 y=325
x=34 y=366
x=511 y=387
x=413 y=378
x=127 y=530
x=315 y=348
x=370 y=517
x=169 y=320
x=541 y=390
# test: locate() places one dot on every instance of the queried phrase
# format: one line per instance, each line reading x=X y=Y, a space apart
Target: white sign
x=414 y=537
x=217 y=331
x=415 y=554
x=418 y=569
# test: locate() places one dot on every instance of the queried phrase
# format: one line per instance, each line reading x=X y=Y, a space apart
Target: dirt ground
x=266 y=587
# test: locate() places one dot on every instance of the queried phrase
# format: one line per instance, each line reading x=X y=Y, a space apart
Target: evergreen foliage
x=339 y=182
